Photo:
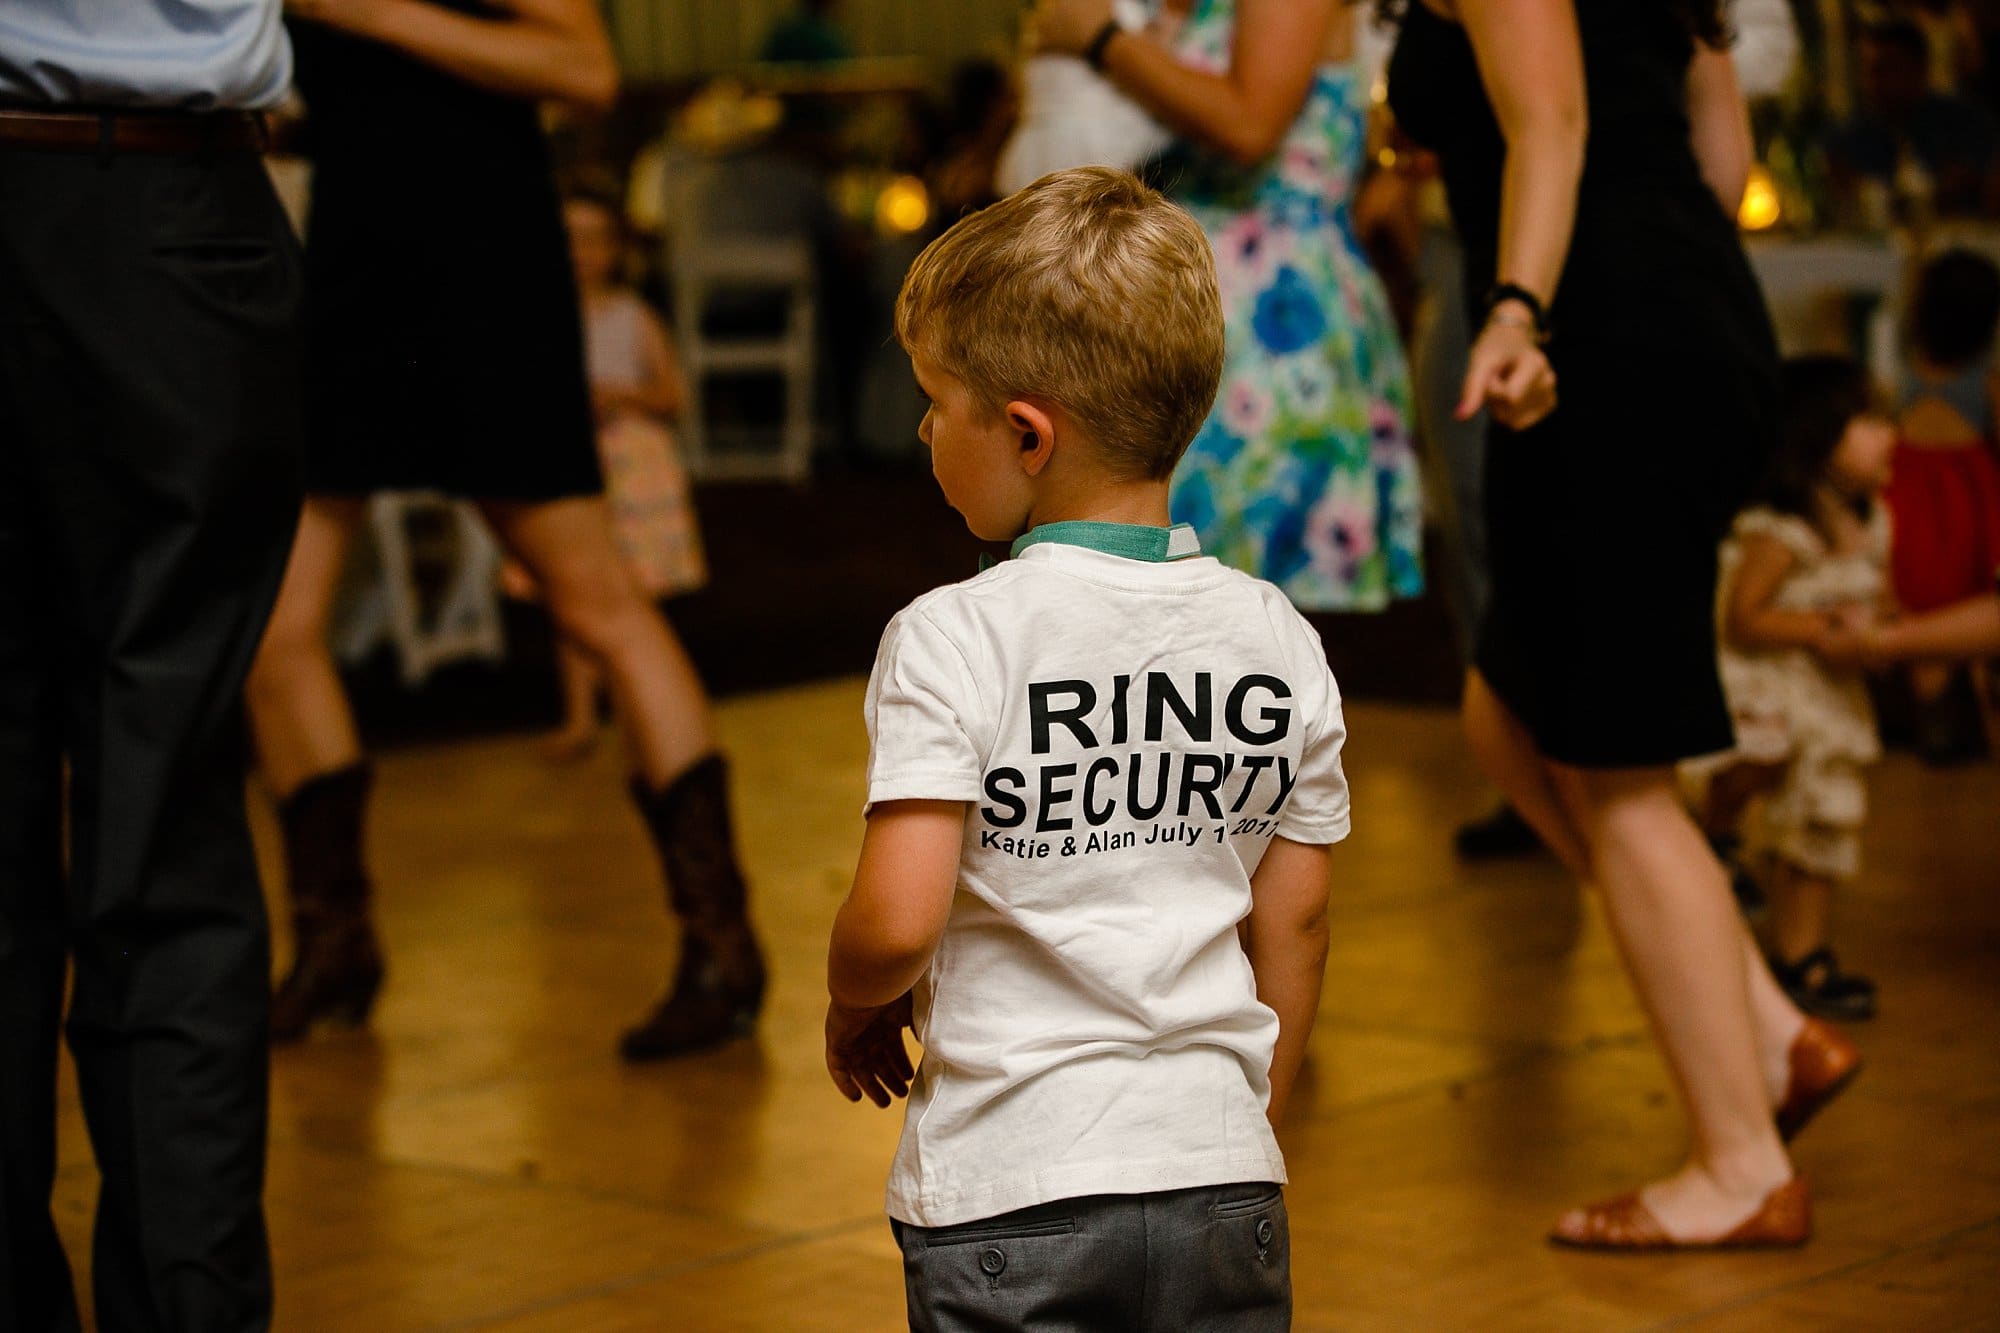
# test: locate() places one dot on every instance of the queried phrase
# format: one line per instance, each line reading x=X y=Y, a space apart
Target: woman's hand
x=1509 y=375
x=1065 y=27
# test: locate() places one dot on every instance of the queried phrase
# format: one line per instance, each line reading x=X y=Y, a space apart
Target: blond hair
x=1086 y=289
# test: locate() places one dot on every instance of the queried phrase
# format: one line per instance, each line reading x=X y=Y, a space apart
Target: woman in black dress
x=1593 y=151
x=444 y=353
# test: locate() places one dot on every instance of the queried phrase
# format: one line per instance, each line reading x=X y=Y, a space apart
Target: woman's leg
x=311 y=757
x=1667 y=899
x=578 y=733
x=680 y=784
x=1505 y=750
x=1776 y=1019
x=567 y=546
x=1507 y=753
x=298 y=710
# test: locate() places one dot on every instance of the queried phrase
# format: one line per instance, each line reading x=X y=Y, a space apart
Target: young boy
x=1104 y=781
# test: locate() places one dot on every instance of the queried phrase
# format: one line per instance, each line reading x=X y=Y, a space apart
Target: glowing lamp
x=1759 y=210
x=903 y=206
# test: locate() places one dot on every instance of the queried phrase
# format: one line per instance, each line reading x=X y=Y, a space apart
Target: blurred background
x=778 y=165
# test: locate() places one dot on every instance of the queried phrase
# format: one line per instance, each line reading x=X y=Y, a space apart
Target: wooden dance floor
x=480 y=1160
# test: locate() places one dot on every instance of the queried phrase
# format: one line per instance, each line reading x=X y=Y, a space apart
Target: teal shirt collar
x=1133 y=541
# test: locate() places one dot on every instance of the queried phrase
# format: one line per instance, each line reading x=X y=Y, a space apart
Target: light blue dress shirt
x=195 y=55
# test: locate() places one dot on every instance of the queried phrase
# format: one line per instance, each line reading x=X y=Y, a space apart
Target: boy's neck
x=1140 y=502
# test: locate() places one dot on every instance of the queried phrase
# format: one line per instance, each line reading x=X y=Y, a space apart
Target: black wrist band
x=1509 y=291
x=1093 y=54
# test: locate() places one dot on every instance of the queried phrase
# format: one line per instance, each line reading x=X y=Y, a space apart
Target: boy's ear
x=1036 y=429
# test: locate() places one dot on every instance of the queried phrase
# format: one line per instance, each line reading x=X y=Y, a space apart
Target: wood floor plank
x=1925 y=1287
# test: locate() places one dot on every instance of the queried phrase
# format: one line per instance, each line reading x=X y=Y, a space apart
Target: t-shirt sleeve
x=922 y=710
x=1317 y=811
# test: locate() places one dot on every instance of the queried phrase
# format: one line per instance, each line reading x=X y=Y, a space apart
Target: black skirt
x=1603 y=521
x=443 y=339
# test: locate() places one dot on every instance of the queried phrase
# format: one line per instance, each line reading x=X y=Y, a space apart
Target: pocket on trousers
x=972 y=1232
x=218 y=234
x=1249 y=1255
x=246 y=277
x=1014 y=1272
x=1255 y=1200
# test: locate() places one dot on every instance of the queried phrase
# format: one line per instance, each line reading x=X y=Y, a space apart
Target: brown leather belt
x=131 y=131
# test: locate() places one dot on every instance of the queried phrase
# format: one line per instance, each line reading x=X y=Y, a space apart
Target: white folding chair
x=715 y=249
x=466 y=622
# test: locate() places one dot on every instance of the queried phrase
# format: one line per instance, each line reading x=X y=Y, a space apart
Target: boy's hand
x=865 y=1052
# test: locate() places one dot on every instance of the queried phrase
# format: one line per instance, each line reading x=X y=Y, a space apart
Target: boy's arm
x=1286 y=939
x=888 y=928
x=883 y=939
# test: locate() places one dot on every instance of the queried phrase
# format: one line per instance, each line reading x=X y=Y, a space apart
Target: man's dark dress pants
x=149 y=475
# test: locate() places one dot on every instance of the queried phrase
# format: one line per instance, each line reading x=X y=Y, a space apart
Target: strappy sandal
x=1625 y=1223
x=1818 y=986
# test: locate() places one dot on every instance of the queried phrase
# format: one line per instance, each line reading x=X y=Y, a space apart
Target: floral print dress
x=1305 y=474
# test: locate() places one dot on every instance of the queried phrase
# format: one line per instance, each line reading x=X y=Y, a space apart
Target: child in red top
x=1944 y=494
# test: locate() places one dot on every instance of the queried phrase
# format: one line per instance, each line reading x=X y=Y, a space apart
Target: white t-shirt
x=1129 y=735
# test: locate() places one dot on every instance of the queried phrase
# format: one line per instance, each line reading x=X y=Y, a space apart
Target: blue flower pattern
x=1312 y=483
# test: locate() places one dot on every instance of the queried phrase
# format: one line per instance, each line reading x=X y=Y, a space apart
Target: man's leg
x=35 y=1291
x=162 y=407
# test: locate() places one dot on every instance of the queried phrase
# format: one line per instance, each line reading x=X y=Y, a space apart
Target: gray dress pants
x=1184 y=1261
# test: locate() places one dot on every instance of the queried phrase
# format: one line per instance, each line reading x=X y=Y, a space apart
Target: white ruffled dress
x=1790 y=708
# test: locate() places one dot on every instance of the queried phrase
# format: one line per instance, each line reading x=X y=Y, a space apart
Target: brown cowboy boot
x=336 y=963
x=718 y=985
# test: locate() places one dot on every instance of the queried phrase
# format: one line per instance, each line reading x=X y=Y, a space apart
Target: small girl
x=635 y=389
x=1944 y=492
x=1805 y=567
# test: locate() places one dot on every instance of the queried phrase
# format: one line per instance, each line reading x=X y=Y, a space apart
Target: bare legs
x=1718 y=1015
x=567 y=546
x=1505 y=750
x=577 y=736
x=312 y=758
x=298 y=711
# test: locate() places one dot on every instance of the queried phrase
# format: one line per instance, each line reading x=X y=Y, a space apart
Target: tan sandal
x=1625 y=1223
